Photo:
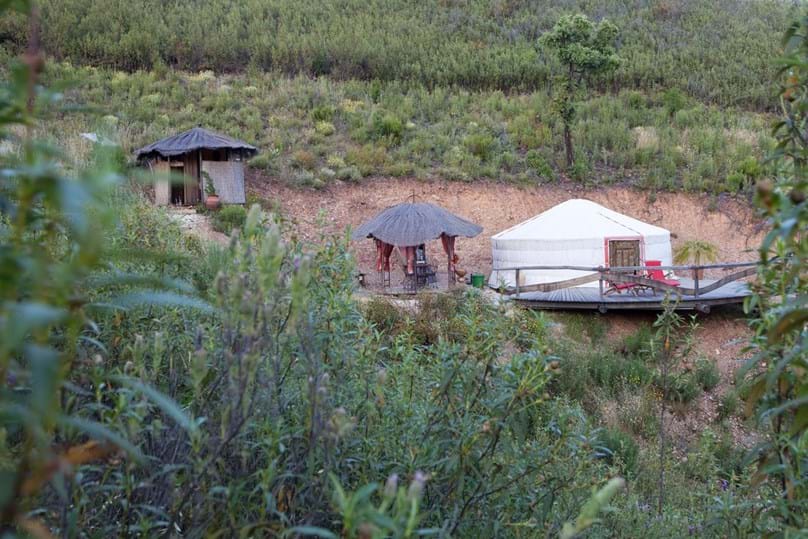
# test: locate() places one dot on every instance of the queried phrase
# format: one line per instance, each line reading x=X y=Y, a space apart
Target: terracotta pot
x=212 y=202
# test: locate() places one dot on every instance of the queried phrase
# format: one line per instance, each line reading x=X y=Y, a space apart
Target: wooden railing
x=624 y=274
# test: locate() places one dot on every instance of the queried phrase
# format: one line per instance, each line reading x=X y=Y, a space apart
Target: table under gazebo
x=409 y=226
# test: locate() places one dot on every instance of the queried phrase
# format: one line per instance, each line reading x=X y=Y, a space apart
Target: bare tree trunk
x=568 y=145
x=665 y=361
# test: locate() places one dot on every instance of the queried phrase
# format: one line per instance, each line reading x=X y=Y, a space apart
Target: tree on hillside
x=585 y=50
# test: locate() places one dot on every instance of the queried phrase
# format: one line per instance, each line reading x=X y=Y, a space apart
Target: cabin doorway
x=624 y=253
x=178 y=184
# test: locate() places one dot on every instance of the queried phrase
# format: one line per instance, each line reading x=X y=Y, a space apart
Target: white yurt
x=575 y=233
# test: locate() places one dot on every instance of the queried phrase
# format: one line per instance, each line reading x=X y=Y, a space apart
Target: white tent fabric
x=573 y=233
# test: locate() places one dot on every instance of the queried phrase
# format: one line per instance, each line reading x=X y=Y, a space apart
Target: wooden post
x=517 y=281
x=696 y=282
x=600 y=280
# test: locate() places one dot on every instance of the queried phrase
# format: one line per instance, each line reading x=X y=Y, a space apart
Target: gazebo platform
x=589 y=298
x=398 y=288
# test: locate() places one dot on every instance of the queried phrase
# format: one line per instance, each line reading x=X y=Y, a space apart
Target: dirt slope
x=730 y=225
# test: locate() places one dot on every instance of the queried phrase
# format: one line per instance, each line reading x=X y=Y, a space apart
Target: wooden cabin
x=183 y=163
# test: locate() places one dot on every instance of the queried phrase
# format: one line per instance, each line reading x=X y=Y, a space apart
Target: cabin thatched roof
x=192 y=140
x=414 y=224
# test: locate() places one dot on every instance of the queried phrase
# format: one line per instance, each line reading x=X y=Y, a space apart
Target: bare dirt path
x=196 y=224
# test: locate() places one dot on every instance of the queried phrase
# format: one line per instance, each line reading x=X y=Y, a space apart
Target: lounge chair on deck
x=631 y=288
x=658 y=274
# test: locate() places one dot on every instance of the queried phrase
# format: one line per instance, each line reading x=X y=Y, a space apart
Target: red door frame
x=607 y=239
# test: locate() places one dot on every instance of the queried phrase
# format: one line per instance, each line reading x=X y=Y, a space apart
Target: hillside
x=717 y=51
x=731 y=224
x=314 y=132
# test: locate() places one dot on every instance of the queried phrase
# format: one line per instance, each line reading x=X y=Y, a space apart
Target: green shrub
x=304 y=159
x=637 y=344
x=263 y=161
x=229 y=218
x=307 y=178
x=538 y=164
x=636 y=100
x=574 y=380
x=335 y=161
x=480 y=145
x=350 y=174
x=385 y=127
x=323 y=113
x=383 y=314
x=325 y=129
x=620 y=448
x=674 y=100
x=399 y=169
x=327 y=174
x=369 y=159
x=606 y=371
x=527 y=133
x=706 y=374
x=581 y=171
x=682 y=388
x=728 y=405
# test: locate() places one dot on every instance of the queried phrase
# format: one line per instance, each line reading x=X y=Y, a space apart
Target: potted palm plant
x=211 y=198
x=696 y=252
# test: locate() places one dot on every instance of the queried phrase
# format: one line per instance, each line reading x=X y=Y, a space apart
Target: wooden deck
x=589 y=298
x=397 y=287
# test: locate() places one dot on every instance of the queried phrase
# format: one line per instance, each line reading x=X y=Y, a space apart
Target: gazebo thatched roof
x=414 y=223
x=192 y=140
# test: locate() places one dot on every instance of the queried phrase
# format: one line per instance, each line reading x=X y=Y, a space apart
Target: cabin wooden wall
x=192 y=174
x=162 y=185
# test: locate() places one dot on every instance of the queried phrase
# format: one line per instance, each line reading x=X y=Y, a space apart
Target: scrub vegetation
x=313 y=132
x=155 y=385
x=717 y=51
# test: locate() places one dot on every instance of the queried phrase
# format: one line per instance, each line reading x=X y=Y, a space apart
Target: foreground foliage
x=778 y=370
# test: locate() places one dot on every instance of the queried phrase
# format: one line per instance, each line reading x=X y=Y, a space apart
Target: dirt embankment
x=730 y=224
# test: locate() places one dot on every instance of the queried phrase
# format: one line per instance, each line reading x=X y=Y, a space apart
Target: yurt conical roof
x=194 y=139
x=414 y=223
x=579 y=219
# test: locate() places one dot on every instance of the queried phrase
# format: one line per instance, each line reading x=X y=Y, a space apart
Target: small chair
x=658 y=274
x=631 y=288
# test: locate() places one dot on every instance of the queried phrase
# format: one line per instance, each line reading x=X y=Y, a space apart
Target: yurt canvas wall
x=575 y=233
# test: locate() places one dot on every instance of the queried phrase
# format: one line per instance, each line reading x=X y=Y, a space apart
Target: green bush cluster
x=728 y=405
x=228 y=218
x=706 y=374
x=475 y=44
x=620 y=447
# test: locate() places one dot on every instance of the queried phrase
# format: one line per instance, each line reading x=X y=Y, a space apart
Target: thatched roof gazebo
x=410 y=225
x=198 y=154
